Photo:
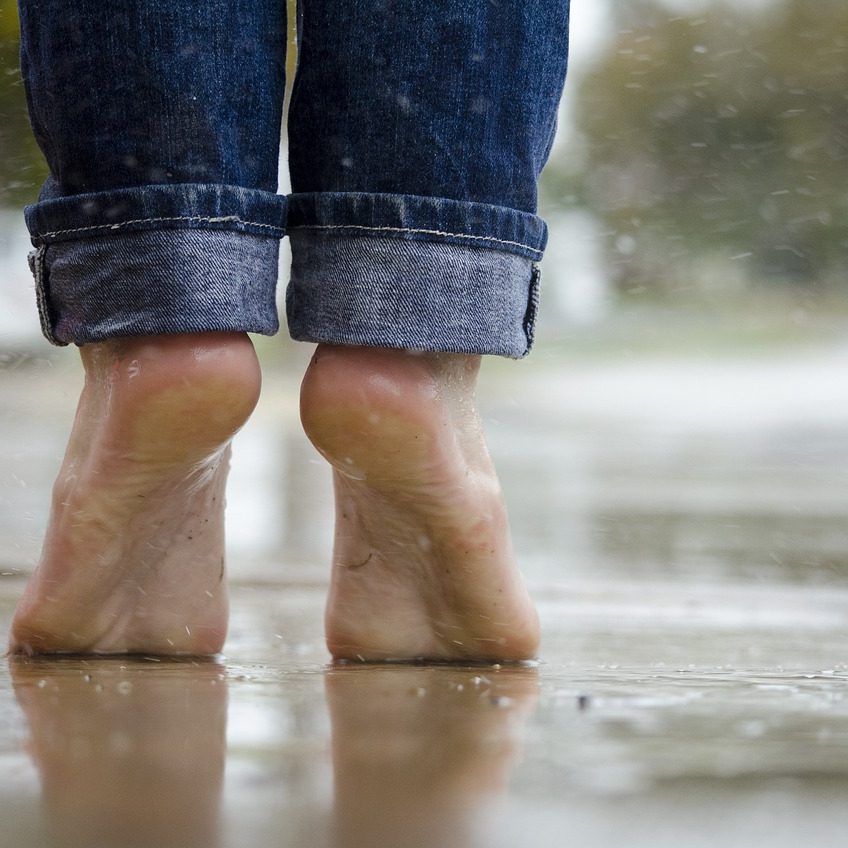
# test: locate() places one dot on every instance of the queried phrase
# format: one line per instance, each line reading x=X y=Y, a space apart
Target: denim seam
x=413 y=230
x=222 y=219
x=38 y=266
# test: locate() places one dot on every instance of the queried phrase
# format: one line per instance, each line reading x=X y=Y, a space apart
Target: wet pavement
x=685 y=531
x=651 y=720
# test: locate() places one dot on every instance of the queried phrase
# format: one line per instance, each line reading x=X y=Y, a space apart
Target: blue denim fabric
x=417 y=133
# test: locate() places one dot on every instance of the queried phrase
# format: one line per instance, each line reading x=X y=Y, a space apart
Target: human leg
x=133 y=559
x=414 y=237
x=156 y=246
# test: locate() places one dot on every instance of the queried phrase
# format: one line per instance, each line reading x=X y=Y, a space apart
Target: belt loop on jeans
x=38 y=266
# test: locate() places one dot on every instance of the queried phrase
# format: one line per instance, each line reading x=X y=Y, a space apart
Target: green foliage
x=724 y=135
x=8 y=20
x=22 y=168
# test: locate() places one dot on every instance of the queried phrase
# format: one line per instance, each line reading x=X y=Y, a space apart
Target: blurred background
x=685 y=412
x=674 y=457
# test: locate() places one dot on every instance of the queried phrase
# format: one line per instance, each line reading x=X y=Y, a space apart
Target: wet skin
x=422 y=563
x=134 y=554
x=133 y=560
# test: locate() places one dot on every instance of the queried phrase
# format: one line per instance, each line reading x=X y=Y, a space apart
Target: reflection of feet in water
x=422 y=564
x=417 y=751
x=130 y=754
x=133 y=558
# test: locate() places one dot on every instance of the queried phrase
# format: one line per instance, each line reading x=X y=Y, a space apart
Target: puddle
x=270 y=743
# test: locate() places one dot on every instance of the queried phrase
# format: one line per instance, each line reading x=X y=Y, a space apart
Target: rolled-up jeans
x=417 y=132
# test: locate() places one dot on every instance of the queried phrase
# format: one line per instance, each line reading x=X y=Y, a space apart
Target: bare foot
x=133 y=560
x=422 y=563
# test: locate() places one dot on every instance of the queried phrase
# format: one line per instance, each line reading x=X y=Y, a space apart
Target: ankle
x=181 y=391
x=360 y=392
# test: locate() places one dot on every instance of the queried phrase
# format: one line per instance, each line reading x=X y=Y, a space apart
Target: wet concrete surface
x=650 y=720
x=690 y=560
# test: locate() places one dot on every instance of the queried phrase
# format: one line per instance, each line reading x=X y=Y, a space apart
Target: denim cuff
x=157 y=259
x=156 y=207
x=412 y=272
x=413 y=218
x=156 y=282
x=393 y=293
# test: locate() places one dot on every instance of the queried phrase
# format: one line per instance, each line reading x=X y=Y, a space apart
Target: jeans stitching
x=38 y=266
x=210 y=220
x=412 y=230
x=235 y=218
x=529 y=322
